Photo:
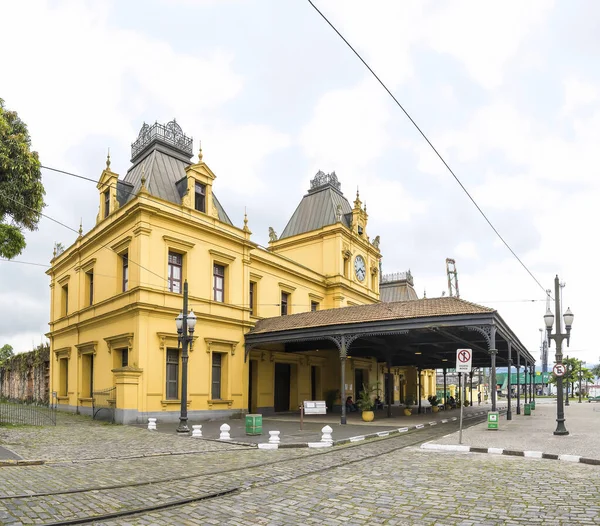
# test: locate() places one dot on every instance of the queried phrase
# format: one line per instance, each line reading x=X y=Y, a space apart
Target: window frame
x=172 y=364
x=216 y=382
x=125 y=271
x=219 y=277
x=90 y=286
x=314 y=306
x=252 y=297
x=200 y=195
x=64 y=307
x=170 y=267
x=106 y=203
x=284 y=303
x=124 y=357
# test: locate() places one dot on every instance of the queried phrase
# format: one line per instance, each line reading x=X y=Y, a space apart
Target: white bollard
x=152 y=424
x=225 y=432
x=273 y=437
x=197 y=431
x=327 y=435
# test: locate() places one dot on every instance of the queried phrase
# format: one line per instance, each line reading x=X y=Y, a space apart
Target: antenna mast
x=452 y=278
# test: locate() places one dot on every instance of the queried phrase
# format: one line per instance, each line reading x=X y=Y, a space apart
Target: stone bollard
x=327 y=435
x=225 y=432
x=197 y=431
x=152 y=424
x=273 y=437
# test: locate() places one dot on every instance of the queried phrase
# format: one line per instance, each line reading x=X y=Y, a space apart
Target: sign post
x=463 y=365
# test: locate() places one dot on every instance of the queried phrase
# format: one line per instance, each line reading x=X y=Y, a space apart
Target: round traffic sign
x=464 y=355
x=559 y=369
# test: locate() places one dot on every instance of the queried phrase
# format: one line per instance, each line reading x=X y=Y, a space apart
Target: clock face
x=359 y=268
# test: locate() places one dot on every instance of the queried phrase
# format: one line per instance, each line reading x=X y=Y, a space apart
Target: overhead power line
x=428 y=142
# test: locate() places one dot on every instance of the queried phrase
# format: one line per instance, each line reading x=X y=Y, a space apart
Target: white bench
x=315 y=407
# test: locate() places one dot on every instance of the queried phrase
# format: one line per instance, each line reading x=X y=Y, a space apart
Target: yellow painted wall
x=141 y=320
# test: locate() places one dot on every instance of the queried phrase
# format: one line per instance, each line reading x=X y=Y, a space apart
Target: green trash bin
x=492 y=419
x=254 y=424
x=527 y=410
x=532 y=405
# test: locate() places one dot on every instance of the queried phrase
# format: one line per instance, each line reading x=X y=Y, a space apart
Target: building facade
x=115 y=293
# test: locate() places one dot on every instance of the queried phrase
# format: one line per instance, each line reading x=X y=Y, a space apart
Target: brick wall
x=26 y=376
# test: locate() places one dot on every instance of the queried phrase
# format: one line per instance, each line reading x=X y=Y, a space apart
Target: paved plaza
x=123 y=475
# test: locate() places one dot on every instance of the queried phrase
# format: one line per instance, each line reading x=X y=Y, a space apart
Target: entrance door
x=359 y=380
x=282 y=387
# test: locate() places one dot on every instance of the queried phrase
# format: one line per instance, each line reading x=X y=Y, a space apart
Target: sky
x=508 y=92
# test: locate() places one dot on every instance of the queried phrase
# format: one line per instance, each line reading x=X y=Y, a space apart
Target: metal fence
x=104 y=399
x=27 y=413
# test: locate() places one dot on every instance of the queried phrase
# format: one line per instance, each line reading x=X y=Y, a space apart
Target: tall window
x=216 y=376
x=64 y=377
x=284 y=303
x=218 y=282
x=125 y=270
x=65 y=300
x=172 y=374
x=106 y=203
x=124 y=357
x=200 y=198
x=175 y=267
x=87 y=366
x=252 y=297
x=314 y=306
x=90 y=286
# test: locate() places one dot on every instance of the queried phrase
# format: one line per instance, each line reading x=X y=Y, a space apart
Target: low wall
x=26 y=376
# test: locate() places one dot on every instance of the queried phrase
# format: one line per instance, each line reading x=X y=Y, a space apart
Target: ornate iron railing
x=104 y=399
x=322 y=179
x=397 y=276
x=23 y=412
x=170 y=133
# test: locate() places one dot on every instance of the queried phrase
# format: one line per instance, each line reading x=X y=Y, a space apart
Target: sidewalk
x=535 y=433
x=292 y=436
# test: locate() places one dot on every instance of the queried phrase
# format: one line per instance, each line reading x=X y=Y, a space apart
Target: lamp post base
x=560 y=428
x=183 y=427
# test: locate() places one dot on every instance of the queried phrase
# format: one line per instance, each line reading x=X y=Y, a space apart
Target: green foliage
x=21 y=189
x=6 y=352
x=409 y=401
x=596 y=371
x=365 y=402
x=433 y=400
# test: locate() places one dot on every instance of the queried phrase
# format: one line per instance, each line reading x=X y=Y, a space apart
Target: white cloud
x=466 y=250
x=578 y=93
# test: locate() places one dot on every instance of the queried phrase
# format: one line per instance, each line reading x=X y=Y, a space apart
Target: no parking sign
x=463 y=360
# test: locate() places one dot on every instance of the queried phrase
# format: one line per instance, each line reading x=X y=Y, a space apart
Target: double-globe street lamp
x=558 y=337
x=186 y=323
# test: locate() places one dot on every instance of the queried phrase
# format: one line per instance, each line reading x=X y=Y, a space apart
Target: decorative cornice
x=178 y=243
x=121 y=245
x=216 y=344
x=120 y=341
x=142 y=230
x=63 y=352
x=87 y=348
x=216 y=254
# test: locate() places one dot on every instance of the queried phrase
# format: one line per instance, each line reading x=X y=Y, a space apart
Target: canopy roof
x=424 y=333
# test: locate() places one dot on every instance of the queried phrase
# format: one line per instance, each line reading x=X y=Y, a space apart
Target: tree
x=596 y=371
x=21 y=189
x=6 y=351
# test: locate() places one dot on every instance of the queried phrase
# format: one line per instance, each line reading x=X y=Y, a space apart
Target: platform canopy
x=423 y=333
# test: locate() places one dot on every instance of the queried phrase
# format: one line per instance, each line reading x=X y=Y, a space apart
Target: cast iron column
x=183 y=427
x=419 y=388
x=471 y=393
x=566 y=380
x=390 y=387
x=509 y=393
x=493 y=378
x=518 y=383
x=343 y=376
x=533 y=383
x=445 y=393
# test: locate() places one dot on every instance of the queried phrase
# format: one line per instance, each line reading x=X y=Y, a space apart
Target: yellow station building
x=115 y=293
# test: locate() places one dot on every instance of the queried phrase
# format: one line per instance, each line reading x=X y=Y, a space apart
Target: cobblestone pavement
x=409 y=487
x=375 y=482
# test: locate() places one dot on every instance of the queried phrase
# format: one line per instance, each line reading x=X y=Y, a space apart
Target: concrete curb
x=509 y=452
x=367 y=436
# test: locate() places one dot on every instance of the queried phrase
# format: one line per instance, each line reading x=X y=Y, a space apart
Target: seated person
x=350 y=405
x=378 y=403
x=452 y=402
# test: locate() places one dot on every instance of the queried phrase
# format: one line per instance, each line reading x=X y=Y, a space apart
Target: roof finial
x=424 y=294
x=108 y=161
x=200 y=153
x=246 y=229
x=80 y=226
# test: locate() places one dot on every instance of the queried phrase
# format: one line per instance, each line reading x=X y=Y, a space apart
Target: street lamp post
x=558 y=337
x=185 y=322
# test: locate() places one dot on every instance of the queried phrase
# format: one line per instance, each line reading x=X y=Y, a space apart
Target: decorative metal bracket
x=488 y=332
